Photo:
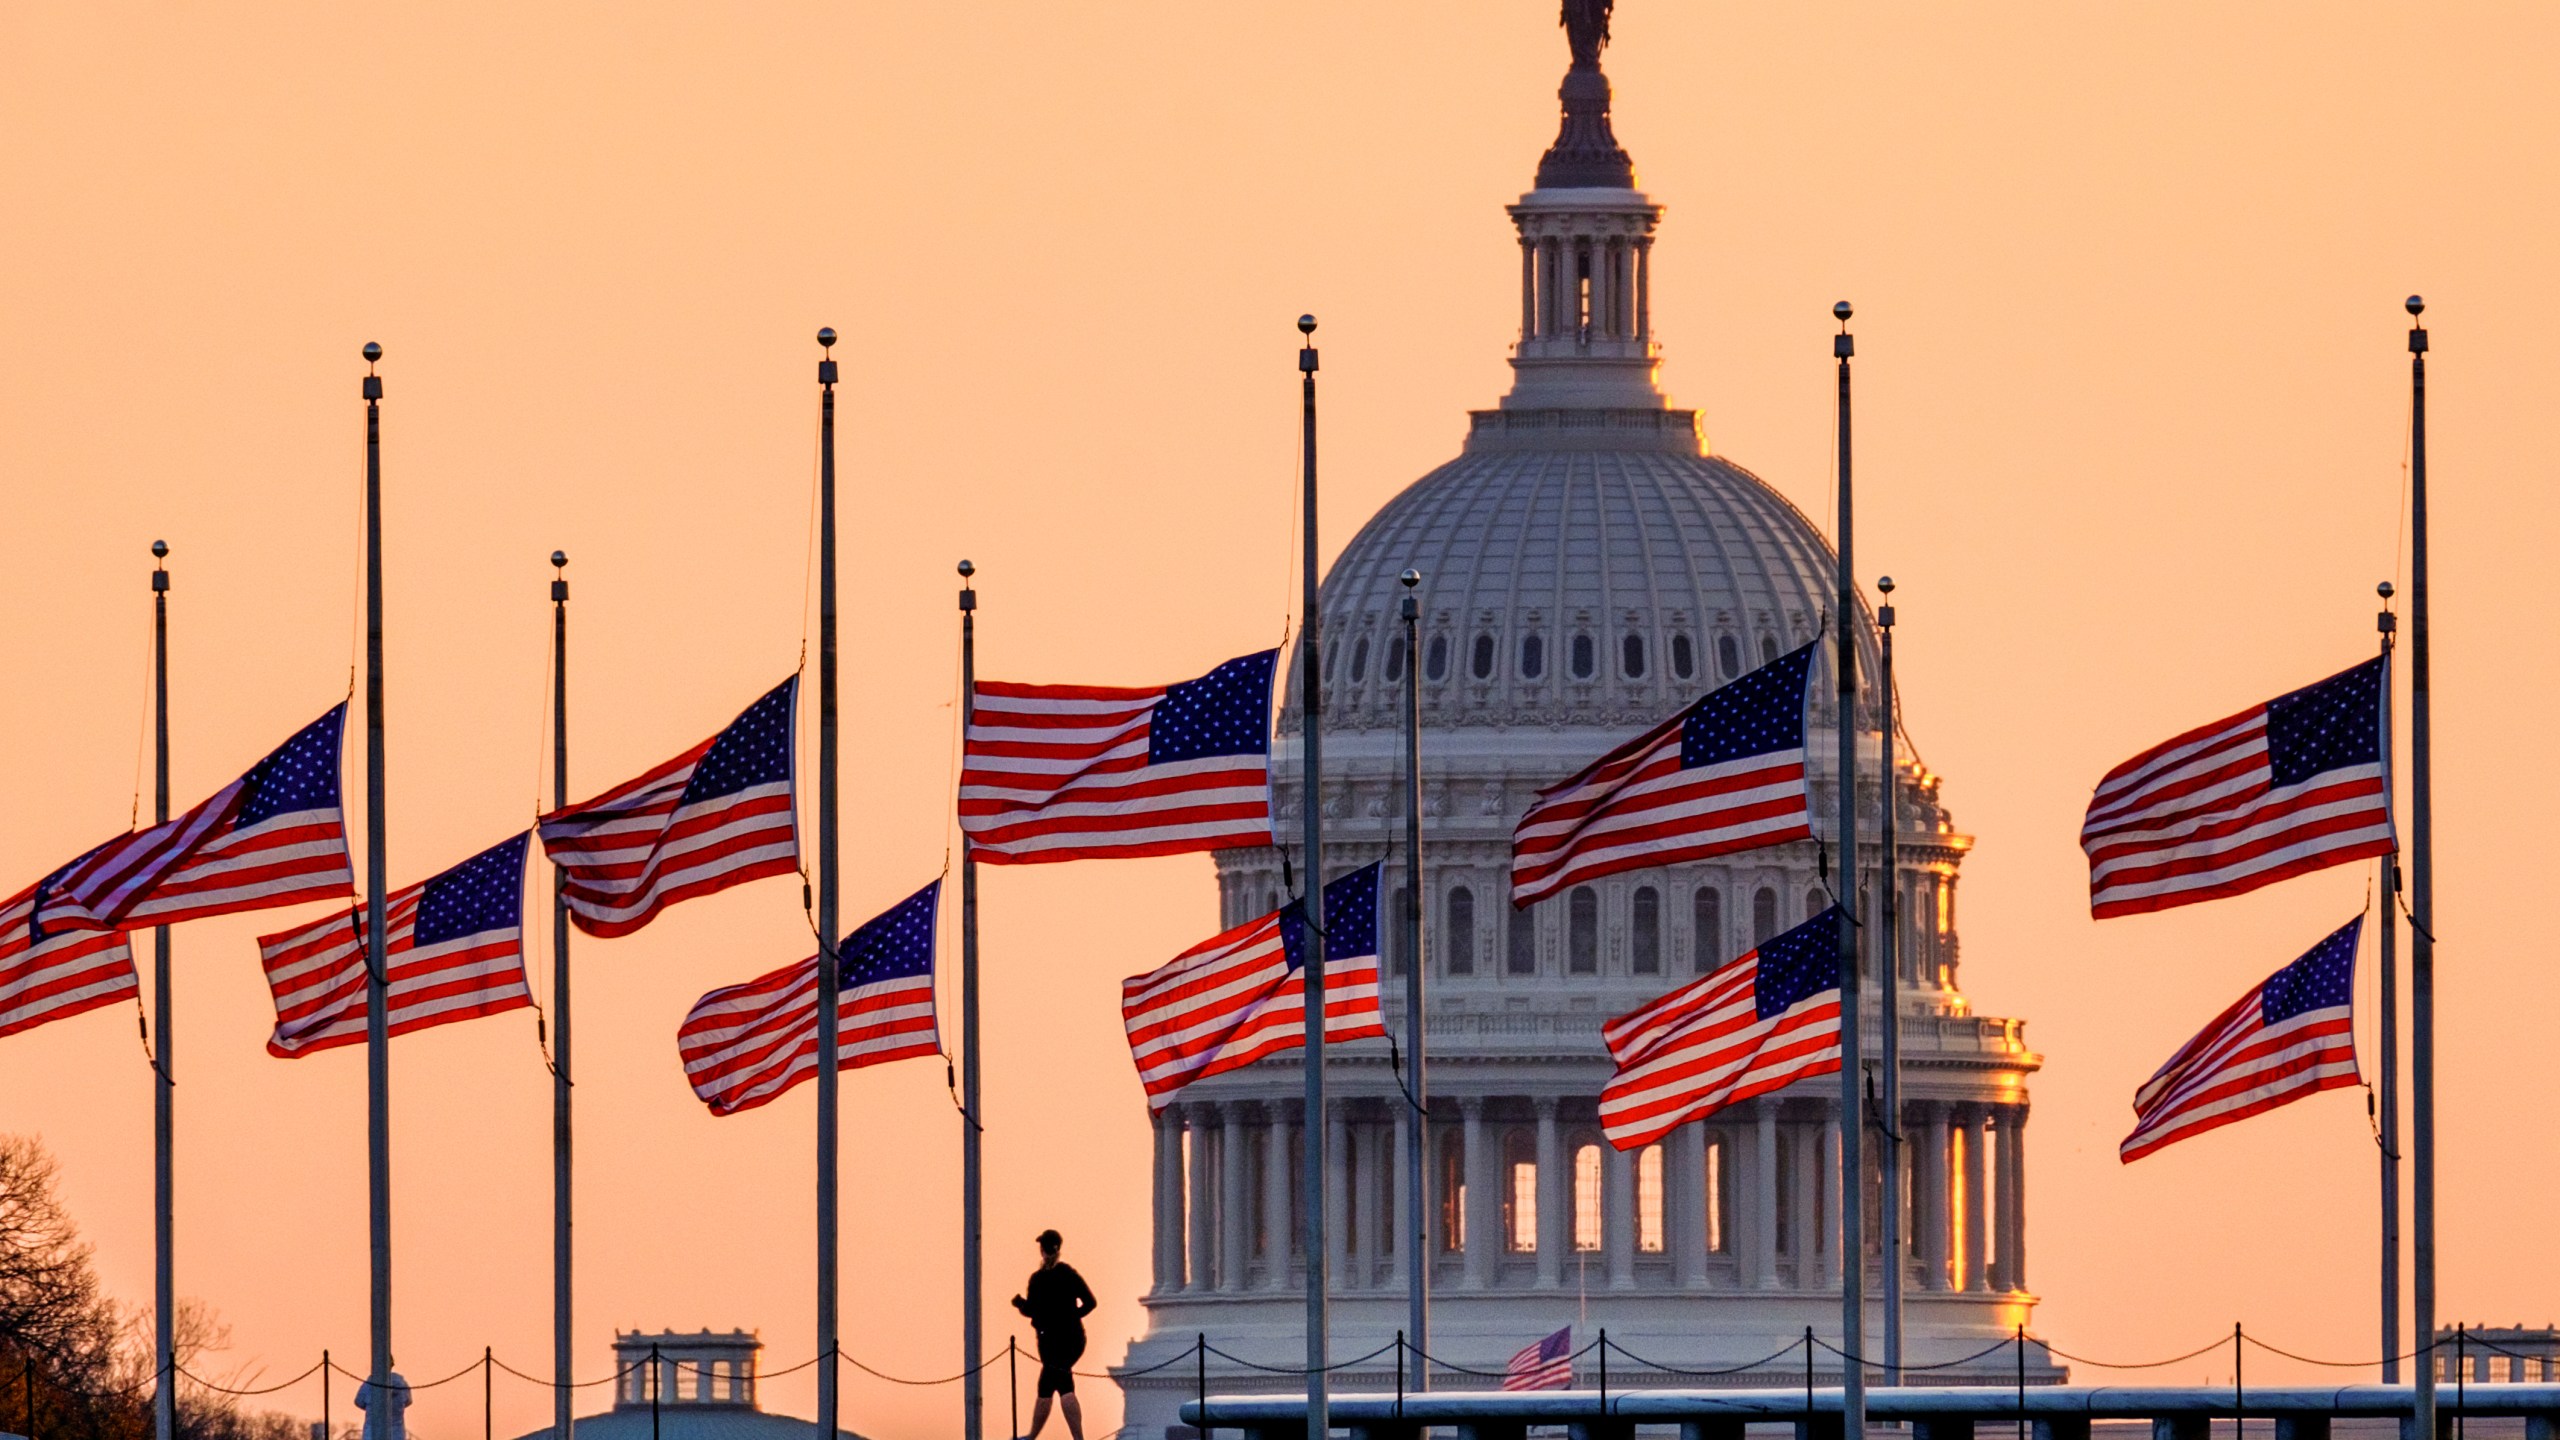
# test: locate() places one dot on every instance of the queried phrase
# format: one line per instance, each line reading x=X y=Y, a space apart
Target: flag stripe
x=2243 y=1064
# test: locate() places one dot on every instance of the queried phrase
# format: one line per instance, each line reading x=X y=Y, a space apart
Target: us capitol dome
x=1588 y=569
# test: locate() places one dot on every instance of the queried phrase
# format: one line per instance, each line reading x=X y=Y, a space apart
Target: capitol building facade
x=1588 y=569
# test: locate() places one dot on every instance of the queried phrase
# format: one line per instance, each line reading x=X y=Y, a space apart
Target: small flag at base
x=2292 y=1035
x=456 y=948
x=1546 y=1365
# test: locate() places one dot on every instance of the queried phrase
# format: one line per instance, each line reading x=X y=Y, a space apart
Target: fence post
x=657 y=1382
x=1808 y=1379
x=488 y=1425
x=1012 y=1383
x=2239 y=1391
x=2461 y=1378
x=1604 y=1372
x=1400 y=1368
x=328 y=1427
x=2022 y=1380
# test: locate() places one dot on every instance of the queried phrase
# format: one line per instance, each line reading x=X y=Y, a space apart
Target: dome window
x=1482 y=660
x=1631 y=656
x=1582 y=931
x=1435 y=660
x=1684 y=658
x=1728 y=656
x=1706 y=925
x=1644 y=936
x=1522 y=956
x=1458 y=932
x=1586 y=657
x=1533 y=656
x=1764 y=915
x=1395 y=660
x=1768 y=649
x=1359 y=659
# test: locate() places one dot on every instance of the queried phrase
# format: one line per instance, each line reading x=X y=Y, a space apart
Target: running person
x=1057 y=1300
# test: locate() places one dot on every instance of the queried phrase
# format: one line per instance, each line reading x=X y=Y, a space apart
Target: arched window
x=1684 y=658
x=1764 y=915
x=1631 y=656
x=1482 y=660
x=1586 y=657
x=1728 y=656
x=1649 y=1200
x=1435 y=659
x=1453 y=1192
x=1706 y=929
x=1458 y=931
x=1644 y=932
x=1395 y=659
x=1814 y=901
x=1586 y=1197
x=1719 y=1194
x=1582 y=930
x=1520 y=1193
x=1533 y=656
x=1359 y=659
x=1768 y=649
x=1522 y=956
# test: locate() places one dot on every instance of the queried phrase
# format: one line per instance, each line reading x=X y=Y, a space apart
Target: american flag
x=1756 y=1025
x=1545 y=1365
x=1726 y=774
x=456 y=948
x=1234 y=998
x=2280 y=789
x=2292 y=1035
x=1090 y=772
x=53 y=974
x=275 y=836
x=720 y=814
x=745 y=1044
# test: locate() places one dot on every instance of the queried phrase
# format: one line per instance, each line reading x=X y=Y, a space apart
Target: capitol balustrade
x=1523 y=1193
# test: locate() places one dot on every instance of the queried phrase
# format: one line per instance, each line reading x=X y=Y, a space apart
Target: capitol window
x=1453 y=1194
x=1719 y=1194
x=1586 y=657
x=1649 y=1200
x=1706 y=928
x=1520 y=1193
x=1684 y=659
x=1533 y=656
x=1815 y=902
x=1728 y=656
x=1582 y=928
x=1764 y=916
x=1768 y=649
x=1359 y=659
x=1395 y=659
x=1483 y=658
x=1586 y=1197
x=1458 y=931
x=1435 y=660
x=1644 y=937
x=1523 y=957
x=1391 y=937
x=1632 y=657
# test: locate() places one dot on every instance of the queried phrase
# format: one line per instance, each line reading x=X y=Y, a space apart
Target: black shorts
x=1057 y=1363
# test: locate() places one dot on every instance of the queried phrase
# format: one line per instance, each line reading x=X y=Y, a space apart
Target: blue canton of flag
x=897 y=945
x=1799 y=965
x=754 y=750
x=2327 y=726
x=1759 y=714
x=1225 y=712
x=485 y=892
x=302 y=774
x=2324 y=978
x=1350 y=921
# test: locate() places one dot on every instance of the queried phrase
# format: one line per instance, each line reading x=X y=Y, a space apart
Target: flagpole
x=1416 y=1143
x=829 y=981
x=1889 y=963
x=563 y=1420
x=2422 y=889
x=2388 y=1126
x=973 y=1398
x=164 y=1123
x=1853 y=1119
x=377 y=999
x=1311 y=885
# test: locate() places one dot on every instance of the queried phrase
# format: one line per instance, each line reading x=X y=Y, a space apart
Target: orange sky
x=2131 y=408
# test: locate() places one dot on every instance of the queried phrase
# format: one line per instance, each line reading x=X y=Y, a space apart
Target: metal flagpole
x=2387 y=1127
x=973 y=1399
x=829 y=981
x=1311 y=885
x=562 y=1398
x=377 y=997
x=164 y=1131
x=2422 y=894
x=1853 y=1120
x=1416 y=1143
x=1889 y=967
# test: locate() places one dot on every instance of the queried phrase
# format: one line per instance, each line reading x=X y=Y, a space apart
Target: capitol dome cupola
x=1586 y=253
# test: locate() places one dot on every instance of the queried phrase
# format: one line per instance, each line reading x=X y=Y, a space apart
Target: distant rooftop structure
x=687 y=1385
x=2518 y=1354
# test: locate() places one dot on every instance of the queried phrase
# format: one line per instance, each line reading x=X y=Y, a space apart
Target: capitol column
x=1528 y=288
x=1337 y=1193
x=1806 y=1224
x=1233 y=1206
x=1202 y=1272
x=1687 y=1201
x=1167 y=1124
x=1483 y=1215
x=1764 y=1194
x=1551 y=1236
x=2013 y=1197
x=1409 y=1195
x=1277 y=1232
x=1977 y=1132
x=1932 y=1182
x=1618 y=1212
x=1830 y=1232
